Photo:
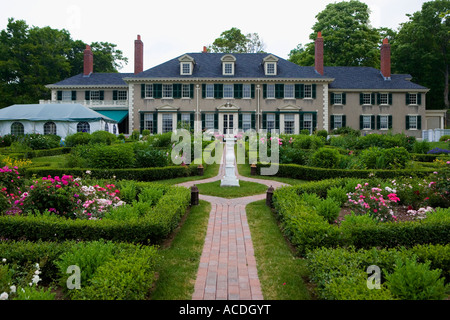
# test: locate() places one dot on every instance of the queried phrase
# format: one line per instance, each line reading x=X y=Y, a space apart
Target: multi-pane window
x=308 y=122
x=67 y=95
x=308 y=91
x=50 y=128
x=289 y=91
x=246 y=121
x=149 y=90
x=384 y=98
x=167 y=91
x=413 y=98
x=122 y=95
x=228 y=68
x=367 y=122
x=186 y=91
x=83 y=127
x=412 y=122
x=270 y=68
x=337 y=121
x=209 y=121
x=247 y=91
x=271 y=91
x=270 y=125
x=209 y=91
x=289 y=123
x=95 y=95
x=186 y=118
x=17 y=129
x=148 y=121
x=384 y=122
x=338 y=98
x=106 y=127
x=367 y=98
x=186 y=68
x=167 y=122
x=228 y=91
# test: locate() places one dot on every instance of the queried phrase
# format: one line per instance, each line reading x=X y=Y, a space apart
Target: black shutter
x=298 y=91
x=277 y=121
x=344 y=120
x=390 y=122
x=279 y=91
x=253 y=91
x=264 y=121
x=155 y=123
x=74 y=95
x=372 y=122
x=192 y=118
x=361 y=122
x=102 y=95
x=254 y=121
x=142 y=123
x=407 y=99
x=314 y=122
x=203 y=121
x=87 y=95
x=59 y=95
x=344 y=98
x=390 y=99
x=157 y=90
x=177 y=90
x=216 y=121
x=114 y=95
x=240 y=121
x=238 y=91
x=332 y=98
x=407 y=122
x=218 y=91
x=373 y=99
x=302 y=125
x=191 y=91
x=264 y=91
x=378 y=122
x=361 y=98
x=314 y=91
x=378 y=98
x=203 y=91
x=143 y=91
x=419 y=122
x=332 y=126
x=419 y=99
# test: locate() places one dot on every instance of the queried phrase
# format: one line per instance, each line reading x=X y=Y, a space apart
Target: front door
x=228 y=122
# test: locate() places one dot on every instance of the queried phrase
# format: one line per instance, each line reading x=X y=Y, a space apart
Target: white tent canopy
x=60 y=119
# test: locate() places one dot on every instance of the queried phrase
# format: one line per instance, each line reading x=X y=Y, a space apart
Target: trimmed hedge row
x=308 y=231
x=152 y=228
x=313 y=173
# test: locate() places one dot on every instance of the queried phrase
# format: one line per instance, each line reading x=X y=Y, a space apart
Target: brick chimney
x=319 y=53
x=138 y=55
x=88 y=61
x=386 y=59
x=205 y=50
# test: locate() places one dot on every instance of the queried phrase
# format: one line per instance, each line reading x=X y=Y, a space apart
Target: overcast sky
x=170 y=28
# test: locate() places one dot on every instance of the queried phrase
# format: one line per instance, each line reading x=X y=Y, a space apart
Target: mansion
x=231 y=92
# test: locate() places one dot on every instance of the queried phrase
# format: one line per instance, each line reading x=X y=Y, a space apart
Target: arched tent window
x=17 y=129
x=114 y=129
x=83 y=127
x=106 y=127
x=50 y=128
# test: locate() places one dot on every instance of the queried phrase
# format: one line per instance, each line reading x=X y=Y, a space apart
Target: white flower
x=4 y=296
x=13 y=289
x=3 y=260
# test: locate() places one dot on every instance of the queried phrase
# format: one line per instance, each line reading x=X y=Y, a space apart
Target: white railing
x=433 y=135
x=89 y=103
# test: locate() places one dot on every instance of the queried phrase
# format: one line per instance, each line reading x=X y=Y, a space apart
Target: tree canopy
x=234 y=41
x=32 y=57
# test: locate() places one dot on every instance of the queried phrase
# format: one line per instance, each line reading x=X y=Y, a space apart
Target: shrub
x=415 y=281
x=163 y=140
x=150 y=195
x=328 y=209
x=146 y=132
x=339 y=194
x=118 y=156
x=149 y=157
x=421 y=147
x=78 y=138
x=292 y=155
x=444 y=138
x=322 y=133
x=39 y=142
x=103 y=137
x=308 y=142
x=345 y=142
x=347 y=131
x=325 y=158
x=378 y=158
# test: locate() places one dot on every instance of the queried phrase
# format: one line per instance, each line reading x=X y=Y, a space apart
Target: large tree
x=421 y=48
x=32 y=57
x=234 y=41
x=349 y=40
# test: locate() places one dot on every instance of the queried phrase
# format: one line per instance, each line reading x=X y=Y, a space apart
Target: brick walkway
x=227 y=269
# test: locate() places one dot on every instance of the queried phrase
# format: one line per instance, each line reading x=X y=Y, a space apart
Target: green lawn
x=280 y=272
x=181 y=258
x=244 y=170
x=245 y=189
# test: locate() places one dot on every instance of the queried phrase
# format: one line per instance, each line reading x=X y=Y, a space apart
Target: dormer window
x=270 y=65
x=186 y=65
x=228 y=65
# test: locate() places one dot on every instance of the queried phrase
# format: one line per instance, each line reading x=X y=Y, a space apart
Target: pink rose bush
x=63 y=196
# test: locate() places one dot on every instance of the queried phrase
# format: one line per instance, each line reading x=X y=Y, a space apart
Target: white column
x=325 y=108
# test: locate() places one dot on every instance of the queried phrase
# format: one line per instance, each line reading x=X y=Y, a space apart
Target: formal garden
x=110 y=206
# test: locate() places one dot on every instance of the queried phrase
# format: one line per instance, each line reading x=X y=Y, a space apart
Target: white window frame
x=185 y=118
x=270 y=94
x=228 y=91
x=308 y=91
x=209 y=121
x=384 y=99
x=50 y=128
x=270 y=120
x=186 y=68
x=289 y=123
x=209 y=91
x=66 y=95
x=413 y=99
x=228 y=68
x=167 y=91
x=17 y=128
x=167 y=122
x=415 y=117
x=185 y=91
x=122 y=95
x=369 y=127
x=94 y=95
x=289 y=91
x=83 y=126
x=384 y=122
x=148 y=121
x=246 y=121
x=149 y=91
x=247 y=91
x=365 y=99
x=338 y=98
x=337 y=120
x=271 y=68
x=308 y=122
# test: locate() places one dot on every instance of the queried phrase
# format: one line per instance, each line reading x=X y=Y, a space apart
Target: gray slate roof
x=250 y=65
x=95 y=79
